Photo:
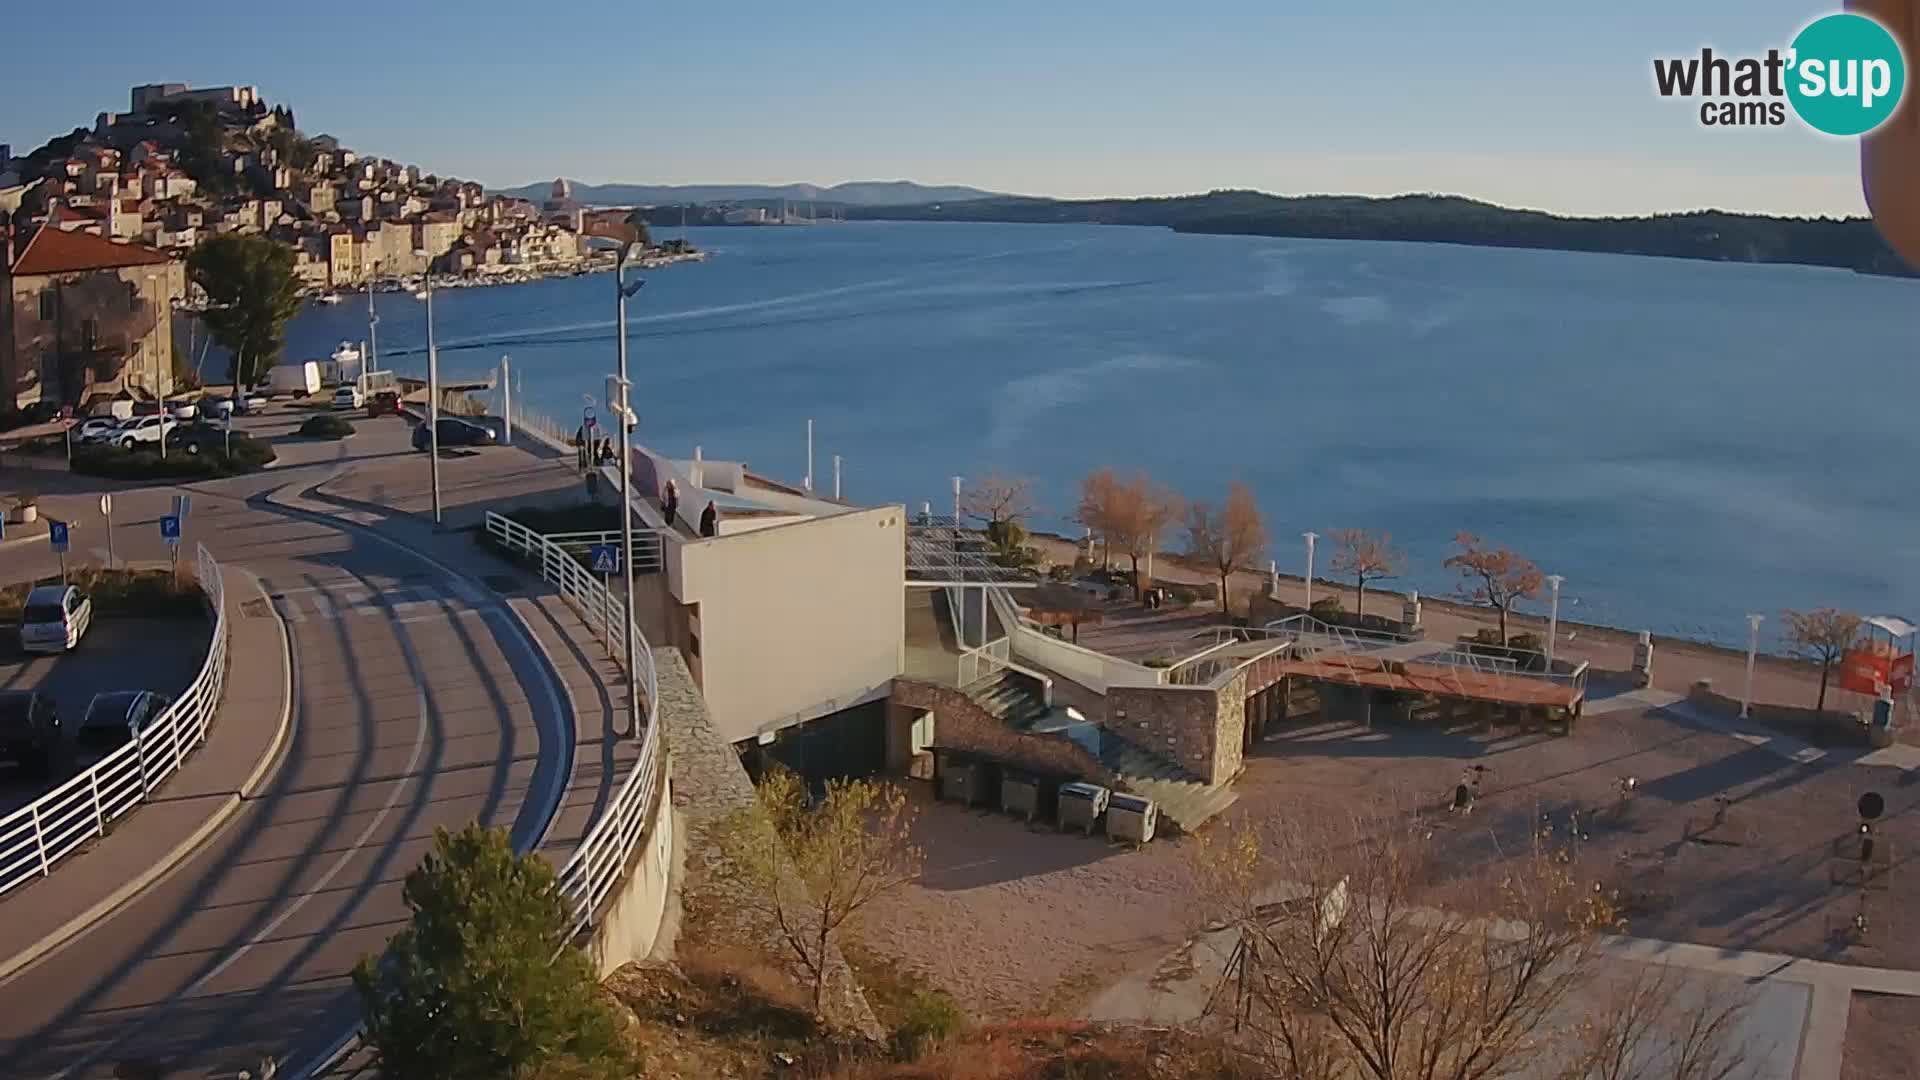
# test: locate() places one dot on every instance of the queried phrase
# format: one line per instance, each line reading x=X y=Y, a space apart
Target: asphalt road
x=417 y=703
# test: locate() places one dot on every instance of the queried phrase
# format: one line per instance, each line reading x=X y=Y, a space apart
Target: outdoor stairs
x=1015 y=699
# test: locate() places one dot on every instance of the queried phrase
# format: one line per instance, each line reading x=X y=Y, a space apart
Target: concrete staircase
x=1015 y=699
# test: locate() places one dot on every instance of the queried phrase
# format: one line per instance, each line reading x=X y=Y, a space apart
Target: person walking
x=670 y=501
x=710 y=520
x=582 y=447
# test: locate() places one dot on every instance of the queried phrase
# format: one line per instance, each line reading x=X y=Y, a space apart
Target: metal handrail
x=40 y=834
x=597 y=864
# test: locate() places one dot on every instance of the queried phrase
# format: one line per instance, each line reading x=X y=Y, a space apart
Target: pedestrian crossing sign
x=606 y=559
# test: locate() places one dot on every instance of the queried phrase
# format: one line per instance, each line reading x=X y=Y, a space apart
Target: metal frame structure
x=40 y=834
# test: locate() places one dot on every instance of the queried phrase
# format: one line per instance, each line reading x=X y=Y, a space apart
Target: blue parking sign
x=170 y=529
x=57 y=533
x=606 y=559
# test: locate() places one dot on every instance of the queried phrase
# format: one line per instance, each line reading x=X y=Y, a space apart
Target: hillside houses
x=183 y=164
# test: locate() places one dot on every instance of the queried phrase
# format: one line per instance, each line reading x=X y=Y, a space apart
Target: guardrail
x=648 y=548
x=35 y=837
x=596 y=865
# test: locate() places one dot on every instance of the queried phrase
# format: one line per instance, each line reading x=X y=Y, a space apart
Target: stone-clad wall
x=960 y=723
x=1197 y=728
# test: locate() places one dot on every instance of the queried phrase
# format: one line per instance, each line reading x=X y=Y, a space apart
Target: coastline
x=513 y=275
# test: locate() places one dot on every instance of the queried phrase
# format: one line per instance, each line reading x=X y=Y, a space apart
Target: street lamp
x=433 y=400
x=1753 y=647
x=1553 y=618
x=1310 y=538
x=619 y=406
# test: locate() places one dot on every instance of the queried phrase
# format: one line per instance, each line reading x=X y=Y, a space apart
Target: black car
x=29 y=730
x=112 y=718
x=194 y=438
x=455 y=432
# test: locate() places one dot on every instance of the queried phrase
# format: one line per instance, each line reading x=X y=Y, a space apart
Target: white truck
x=300 y=378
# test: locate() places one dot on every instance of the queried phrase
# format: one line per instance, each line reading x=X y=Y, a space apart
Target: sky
x=1520 y=104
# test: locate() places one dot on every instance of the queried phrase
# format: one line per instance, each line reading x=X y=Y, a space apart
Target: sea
x=1685 y=442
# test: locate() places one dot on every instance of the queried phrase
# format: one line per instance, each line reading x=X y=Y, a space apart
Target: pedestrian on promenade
x=582 y=447
x=710 y=520
x=670 y=501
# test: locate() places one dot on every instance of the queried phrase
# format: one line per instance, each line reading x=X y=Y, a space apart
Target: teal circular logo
x=1846 y=74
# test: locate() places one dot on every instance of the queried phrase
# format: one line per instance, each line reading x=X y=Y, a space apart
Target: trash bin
x=1081 y=806
x=1130 y=817
x=1020 y=795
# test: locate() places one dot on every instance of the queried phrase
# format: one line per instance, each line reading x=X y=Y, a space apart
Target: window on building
x=49 y=305
x=133 y=297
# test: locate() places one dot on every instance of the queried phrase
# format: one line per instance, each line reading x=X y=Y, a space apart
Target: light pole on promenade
x=618 y=402
x=1753 y=648
x=1553 y=618
x=1310 y=538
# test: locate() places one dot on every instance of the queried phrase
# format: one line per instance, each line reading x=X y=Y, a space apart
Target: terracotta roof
x=53 y=251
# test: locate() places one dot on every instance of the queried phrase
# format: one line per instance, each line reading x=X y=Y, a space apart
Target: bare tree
x=994 y=499
x=808 y=870
x=1823 y=636
x=1229 y=538
x=1142 y=511
x=1365 y=557
x=1494 y=576
x=1098 y=509
x=1350 y=960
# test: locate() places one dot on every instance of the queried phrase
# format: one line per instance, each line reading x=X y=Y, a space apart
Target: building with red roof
x=82 y=314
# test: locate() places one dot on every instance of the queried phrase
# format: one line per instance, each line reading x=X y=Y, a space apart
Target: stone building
x=82 y=314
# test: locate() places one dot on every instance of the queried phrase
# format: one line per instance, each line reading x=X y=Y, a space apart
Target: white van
x=300 y=378
x=55 y=619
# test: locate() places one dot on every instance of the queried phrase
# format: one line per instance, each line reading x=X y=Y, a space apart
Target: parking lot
x=117 y=654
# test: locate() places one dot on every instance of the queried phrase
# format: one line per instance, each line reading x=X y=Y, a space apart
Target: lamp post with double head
x=617 y=402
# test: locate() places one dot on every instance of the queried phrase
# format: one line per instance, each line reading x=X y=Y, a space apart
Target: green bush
x=576 y=517
x=931 y=1018
x=326 y=426
x=483 y=980
x=116 y=592
x=249 y=455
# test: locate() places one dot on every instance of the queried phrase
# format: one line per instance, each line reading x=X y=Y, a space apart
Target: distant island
x=857 y=193
x=1845 y=243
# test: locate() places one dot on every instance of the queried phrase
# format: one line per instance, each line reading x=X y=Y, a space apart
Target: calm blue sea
x=1684 y=441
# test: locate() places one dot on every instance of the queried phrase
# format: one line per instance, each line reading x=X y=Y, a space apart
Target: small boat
x=328 y=298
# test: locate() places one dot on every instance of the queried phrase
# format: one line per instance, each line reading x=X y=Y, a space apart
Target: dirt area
x=1015 y=921
x=1880 y=1037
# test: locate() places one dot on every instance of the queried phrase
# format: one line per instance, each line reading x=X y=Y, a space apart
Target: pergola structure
x=1061 y=605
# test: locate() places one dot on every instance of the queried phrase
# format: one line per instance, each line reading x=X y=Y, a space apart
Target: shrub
x=483 y=981
x=326 y=426
x=249 y=455
x=116 y=592
x=932 y=1017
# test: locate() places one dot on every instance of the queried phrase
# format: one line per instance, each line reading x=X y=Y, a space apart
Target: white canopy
x=1892 y=624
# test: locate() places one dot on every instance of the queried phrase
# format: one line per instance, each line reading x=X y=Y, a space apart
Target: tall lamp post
x=1553 y=618
x=617 y=402
x=1753 y=647
x=1310 y=538
x=433 y=403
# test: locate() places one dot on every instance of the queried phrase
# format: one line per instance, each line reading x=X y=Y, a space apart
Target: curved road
x=418 y=701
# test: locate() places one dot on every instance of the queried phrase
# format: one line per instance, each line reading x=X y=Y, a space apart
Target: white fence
x=597 y=863
x=35 y=837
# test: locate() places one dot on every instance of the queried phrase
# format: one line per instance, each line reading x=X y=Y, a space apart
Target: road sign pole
x=63 y=568
x=106 y=510
x=606 y=613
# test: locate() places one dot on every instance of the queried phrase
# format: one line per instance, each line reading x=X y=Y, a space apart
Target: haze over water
x=1684 y=441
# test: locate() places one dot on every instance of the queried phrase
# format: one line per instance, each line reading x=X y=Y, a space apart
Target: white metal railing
x=38 y=835
x=648 y=548
x=597 y=864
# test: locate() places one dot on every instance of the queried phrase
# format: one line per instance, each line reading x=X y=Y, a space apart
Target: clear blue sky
x=1522 y=104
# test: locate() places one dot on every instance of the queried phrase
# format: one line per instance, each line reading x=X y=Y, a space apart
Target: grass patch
x=249 y=455
x=919 y=1014
x=145 y=593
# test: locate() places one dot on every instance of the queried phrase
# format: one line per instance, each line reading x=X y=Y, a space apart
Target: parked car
x=93 y=427
x=112 y=408
x=251 y=402
x=194 y=438
x=182 y=410
x=348 y=396
x=40 y=411
x=455 y=432
x=113 y=718
x=384 y=403
x=29 y=730
x=215 y=407
x=55 y=618
x=141 y=431
x=146 y=408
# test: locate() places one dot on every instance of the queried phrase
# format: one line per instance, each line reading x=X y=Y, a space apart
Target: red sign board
x=1900 y=673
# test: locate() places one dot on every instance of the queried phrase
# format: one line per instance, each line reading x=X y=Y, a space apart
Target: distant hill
x=1850 y=243
x=856 y=193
